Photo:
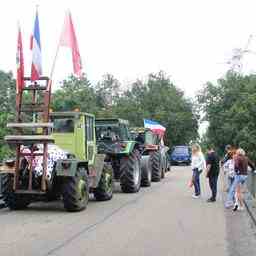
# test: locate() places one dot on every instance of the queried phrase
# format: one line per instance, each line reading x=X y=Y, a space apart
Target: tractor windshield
x=63 y=124
x=111 y=132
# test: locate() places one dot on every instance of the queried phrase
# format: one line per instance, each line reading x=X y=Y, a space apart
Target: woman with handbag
x=198 y=165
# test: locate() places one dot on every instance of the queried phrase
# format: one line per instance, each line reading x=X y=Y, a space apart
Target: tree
x=7 y=107
x=107 y=91
x=229 y=107
x=7 y=92
x=75 y=93
x=160 y=100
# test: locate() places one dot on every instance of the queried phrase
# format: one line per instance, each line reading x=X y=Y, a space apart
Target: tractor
x=154 y=155
x=56 y=157
x=114 y=140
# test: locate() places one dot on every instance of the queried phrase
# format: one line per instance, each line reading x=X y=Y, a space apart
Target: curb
x=250 y=204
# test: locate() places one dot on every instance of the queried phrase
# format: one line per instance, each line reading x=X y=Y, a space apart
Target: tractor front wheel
x=75 y=191
x=105 y=188
x=12 y=200
x=156 y=166
x=130 y=169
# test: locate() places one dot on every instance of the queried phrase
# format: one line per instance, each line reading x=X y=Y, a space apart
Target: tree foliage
x=75 y=93
x=229 y=107
x=160 y=100
x=7 y=107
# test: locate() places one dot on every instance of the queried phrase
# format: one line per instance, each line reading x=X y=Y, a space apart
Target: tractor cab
x=113 y=136
x=145 y=137
x=74 y=132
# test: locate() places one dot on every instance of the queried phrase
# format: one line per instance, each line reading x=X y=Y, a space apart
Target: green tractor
x=81 y=172
x=154 y=155
x=114 y=140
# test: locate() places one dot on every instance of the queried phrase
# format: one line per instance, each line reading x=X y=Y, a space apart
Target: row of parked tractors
x=98 y=153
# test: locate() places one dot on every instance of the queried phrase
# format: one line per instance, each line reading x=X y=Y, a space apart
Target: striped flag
x=35 y=47
x=19 y=63
x=154 y=126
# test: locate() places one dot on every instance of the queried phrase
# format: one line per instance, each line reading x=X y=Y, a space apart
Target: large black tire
x=156 y=166
x=130 y=169
x=105 y=188
x=12 y=200
x=146 y=171
x=75 y=191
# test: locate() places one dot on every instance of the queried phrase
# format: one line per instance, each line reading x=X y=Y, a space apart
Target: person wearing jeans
x=196 y=180
x=197 y=165
x=241 y=163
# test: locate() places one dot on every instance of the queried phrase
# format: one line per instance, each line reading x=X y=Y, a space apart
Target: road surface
x=161 y=220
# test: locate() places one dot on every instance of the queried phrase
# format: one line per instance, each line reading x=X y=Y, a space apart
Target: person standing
x=226 y=163
x=241 y=172
x=197 y=165
x=241 y=163
x=229 y=171
x=212 y=172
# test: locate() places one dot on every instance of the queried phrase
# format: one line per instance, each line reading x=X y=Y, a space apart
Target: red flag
x=20 y=64
x=68 y=39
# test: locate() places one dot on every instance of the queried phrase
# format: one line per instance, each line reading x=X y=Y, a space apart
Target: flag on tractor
x=154 y=126
x=20 y=63
x=35 y=47
x=68 y=39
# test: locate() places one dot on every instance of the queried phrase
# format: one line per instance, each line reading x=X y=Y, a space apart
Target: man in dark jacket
x=212 y=172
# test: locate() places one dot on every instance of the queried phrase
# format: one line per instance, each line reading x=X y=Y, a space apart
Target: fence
x=251 y=183
x=0 y=186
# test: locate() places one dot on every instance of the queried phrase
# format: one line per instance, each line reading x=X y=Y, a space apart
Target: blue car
x=180 y=155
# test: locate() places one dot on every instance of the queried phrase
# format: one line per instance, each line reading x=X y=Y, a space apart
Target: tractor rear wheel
x=146 y=171
x=12 y=200
x=156 y=166
x=130 y=169
x=105 y=188
x=75 y=191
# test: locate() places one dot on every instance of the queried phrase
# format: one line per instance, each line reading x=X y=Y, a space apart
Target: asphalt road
x=161 y=220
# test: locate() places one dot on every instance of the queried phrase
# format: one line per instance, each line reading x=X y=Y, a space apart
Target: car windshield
x=181 y=151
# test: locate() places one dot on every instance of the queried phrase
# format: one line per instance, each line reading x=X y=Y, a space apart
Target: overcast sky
x=131 y=38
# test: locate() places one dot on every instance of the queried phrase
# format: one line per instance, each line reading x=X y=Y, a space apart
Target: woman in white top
x=198 y=165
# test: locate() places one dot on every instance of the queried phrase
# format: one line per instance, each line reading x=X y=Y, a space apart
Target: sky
x=189 y=40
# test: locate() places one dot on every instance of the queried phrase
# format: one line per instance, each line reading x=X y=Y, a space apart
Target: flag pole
x=55 y=60
x=56 y=55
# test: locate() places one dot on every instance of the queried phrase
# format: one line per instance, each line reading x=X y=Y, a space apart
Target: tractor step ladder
x=37 y=95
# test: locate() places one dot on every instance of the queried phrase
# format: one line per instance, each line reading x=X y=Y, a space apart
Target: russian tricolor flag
x=154 y=126
x=35 y=47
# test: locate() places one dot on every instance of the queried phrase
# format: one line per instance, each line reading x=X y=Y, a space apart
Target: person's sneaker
x=240 y=208
x=235 y=207
x=195 y=197
x=211 y=200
